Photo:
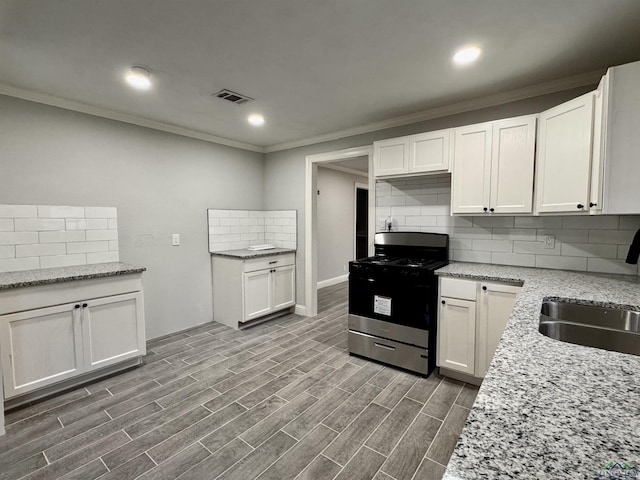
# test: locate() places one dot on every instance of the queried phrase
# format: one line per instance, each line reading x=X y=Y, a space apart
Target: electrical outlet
x=175 y=239
x=549 y=241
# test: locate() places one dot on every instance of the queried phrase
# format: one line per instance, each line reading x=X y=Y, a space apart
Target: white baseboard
x=300 y=310
x=333 y=281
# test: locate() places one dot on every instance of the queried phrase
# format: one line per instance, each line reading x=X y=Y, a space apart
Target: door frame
x=356 y=186
x=311 y=220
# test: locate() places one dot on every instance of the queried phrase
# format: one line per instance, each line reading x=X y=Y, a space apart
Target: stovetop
x=407 y=262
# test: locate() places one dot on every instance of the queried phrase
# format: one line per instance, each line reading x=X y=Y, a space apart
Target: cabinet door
x=471 y=176
x=284 y=287
x=113 y=329
x=512 y=157
x=496 y=303
x=256 y=294
x=457 y=335
x=390 y=157
x=40 y=347
x=430 y=152
x=564 y=156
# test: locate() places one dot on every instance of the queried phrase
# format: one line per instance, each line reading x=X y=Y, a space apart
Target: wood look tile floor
x=281 y=400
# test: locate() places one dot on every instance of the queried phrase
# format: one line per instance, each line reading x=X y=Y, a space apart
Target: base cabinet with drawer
x=249 y=289
x=46 y=345
x=472 y=317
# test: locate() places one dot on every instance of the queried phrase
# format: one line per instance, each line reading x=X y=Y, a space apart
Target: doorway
x=310 y=217
x=361 y=246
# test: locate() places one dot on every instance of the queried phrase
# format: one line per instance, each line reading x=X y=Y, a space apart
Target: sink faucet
x=634 y=249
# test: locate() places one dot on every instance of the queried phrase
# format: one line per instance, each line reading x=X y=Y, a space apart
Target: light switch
x=175 y=240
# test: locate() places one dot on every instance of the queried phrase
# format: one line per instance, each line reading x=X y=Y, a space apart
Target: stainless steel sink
x=607 y=328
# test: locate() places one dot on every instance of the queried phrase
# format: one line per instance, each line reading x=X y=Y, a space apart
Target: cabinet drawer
x=458 y=288
x=271 y=261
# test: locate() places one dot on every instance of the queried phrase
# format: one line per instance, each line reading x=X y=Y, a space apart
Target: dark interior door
x=362 y=222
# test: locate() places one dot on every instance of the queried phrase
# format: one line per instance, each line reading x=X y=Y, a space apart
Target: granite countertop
x=244 y=253
x=31 y=278
x=550 y=409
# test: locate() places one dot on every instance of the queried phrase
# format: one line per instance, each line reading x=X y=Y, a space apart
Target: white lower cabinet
x=472 y=317
x=245 y=290
x=44 y=345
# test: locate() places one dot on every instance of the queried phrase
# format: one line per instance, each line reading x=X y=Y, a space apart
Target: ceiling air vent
x=232 y=97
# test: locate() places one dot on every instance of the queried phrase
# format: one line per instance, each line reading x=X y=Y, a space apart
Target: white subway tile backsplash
x=568 y=236
x=591 y=222
x=629 y=222
x=536 y=248
x=114 y=245
x=18 y=211
x=561 y=263
x=38 y=224
x=103 y=257
x=599 y=243
x=7 y=251
x=55 y=211
x=61 y=237
x=42 y=233
x=6 y=224
x=493 y=245
x=538 y=222
x=17 y=238
x=100 y=212
x=589 y=250
x=614 y=237
x=526 y=235
x=519 y=259
x=17 y=264
x=608 y=265
x=40 y=250
x=212 y=213
x=93 y=235
x=86 y=247
x=470 y=256
x=491 y=222
x=63 y=261
x=229 y=221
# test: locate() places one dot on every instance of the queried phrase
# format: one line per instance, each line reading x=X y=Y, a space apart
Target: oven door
x=403 y=301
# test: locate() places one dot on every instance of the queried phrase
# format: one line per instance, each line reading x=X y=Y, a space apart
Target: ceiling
x=314 y=67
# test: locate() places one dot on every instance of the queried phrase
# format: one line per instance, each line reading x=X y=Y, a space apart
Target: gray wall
x=336 y=221
x=160 y=183
x=285 y=170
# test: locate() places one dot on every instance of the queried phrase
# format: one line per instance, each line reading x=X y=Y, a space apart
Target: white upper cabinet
x=512 y=160
x=471 y=179
x=493 y=167
x=391 y=157
x=565 y=144
x=422 y=153
x=430 y=152
x=621 y=139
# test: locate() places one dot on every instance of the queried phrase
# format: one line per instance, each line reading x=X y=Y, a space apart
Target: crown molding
x=581 y=80
x=122 y=117
x=553 y=86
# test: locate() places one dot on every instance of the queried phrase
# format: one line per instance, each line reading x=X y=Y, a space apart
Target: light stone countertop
x=549 y=409
x=244 y=253
x=45 y=276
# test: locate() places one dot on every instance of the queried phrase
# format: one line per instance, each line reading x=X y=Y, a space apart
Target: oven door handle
x=386 y=347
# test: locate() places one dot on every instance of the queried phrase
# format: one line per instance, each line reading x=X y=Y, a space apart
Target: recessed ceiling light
x=256 y=119
x=139 y=77
x=466 y=55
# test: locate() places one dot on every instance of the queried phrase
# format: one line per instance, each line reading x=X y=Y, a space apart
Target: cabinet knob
x=591 y=204
x=485 y=209
x=492 y=209
x=580 y=206
x=76 y=306
x=484 y=287
x=85 y=305
x=443 y=302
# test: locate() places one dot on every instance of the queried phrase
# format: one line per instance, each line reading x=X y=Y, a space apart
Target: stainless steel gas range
x=393 y=300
